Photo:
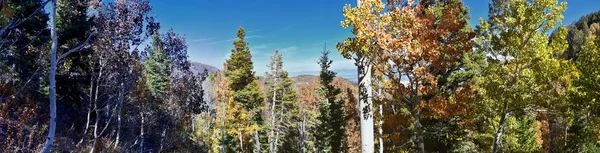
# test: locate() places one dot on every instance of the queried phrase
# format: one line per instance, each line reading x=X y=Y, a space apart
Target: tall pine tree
x=157 y=67
x=283 y=108
x=242 y=81
x=330 y=129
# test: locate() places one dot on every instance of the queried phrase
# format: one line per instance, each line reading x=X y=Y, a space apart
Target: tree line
x=93 y=76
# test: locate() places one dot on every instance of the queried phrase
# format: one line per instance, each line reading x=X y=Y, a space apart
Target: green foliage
x=523 y=71
x=329 y=131
x=239 y=64
x=157 y=67
x=588 y=83
x=290 y=116
x=584 y=103
x=241 y=77
x=521 y=134
x=251 y=99
x=283 y=107
x=246 y=94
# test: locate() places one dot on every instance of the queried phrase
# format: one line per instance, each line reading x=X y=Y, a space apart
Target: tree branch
x=10 y=24
x=76 y=49
x=22 y=87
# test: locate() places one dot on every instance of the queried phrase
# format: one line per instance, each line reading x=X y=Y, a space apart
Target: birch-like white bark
x=365 y=91
x=52 y=80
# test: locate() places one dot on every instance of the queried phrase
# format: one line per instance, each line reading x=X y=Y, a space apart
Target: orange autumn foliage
x=420 y=47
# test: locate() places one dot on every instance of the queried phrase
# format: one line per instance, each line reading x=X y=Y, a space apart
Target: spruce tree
x=242 y=81
x=239 y=65
x=283 y=108
x=157 y=66
x=330 y=134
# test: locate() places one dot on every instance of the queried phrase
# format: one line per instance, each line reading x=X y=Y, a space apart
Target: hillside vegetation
x=106 y=76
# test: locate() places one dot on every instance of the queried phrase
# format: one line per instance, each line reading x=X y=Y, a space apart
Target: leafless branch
x=78 y=48
x=22 y=87
x=11 y=24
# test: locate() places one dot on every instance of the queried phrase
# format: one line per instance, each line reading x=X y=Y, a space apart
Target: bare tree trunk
x=301 y=130
x=418 y=128
x=89 y=112
x=162 y=138
x=380 y=126
x=276 y=141
x=120 y=107
x=241 y=142
x=498 y=135
x=379 y=94
x=142 y=133
x=258 y=145
x=277 y=125
x=273 y=118
x=365 y=104
x=52 y=80
x=96 y=109
x=95 y=128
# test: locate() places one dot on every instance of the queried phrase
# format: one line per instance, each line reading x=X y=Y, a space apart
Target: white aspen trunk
x=162 y=139
x=380 y=126
x=365 y=105
x=120 y=107
x=273 y=118
x=95 y=128
x=498 y=135
x=241 y=142
x=52 y=80
x=142 y=133
x=96 y=108
x=379 y=94
x=365 y=102
x=278 y=124
x=89 y=112
x=257 y=139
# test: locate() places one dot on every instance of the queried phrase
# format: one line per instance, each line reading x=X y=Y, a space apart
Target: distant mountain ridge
x=197 y=67
x=348 y=74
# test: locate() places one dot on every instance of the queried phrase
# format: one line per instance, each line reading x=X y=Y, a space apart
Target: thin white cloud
x=289 y=49
x=254 y=36
x=259 y=47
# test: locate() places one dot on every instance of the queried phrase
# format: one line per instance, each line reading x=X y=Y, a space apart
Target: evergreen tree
x=239 y=65
x=242 y=82
x=289 y=116
x=282 y=108
x=330 y=130
x=73 y=76
x=157 y=67
x=24 y=41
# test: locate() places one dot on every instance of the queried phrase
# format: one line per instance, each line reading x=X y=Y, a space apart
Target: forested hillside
x=106 y=76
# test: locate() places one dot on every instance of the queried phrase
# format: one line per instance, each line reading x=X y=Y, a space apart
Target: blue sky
x=299 y=29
